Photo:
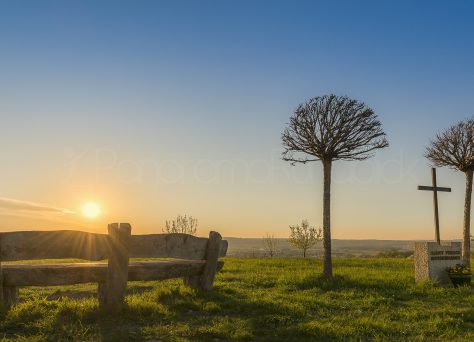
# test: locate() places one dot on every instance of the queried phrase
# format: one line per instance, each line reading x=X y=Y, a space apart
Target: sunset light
x=91 y=210
x=237 y=170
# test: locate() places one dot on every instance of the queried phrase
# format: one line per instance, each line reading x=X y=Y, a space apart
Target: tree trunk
x=304 y=252
x=327 y=219
x=466 y=245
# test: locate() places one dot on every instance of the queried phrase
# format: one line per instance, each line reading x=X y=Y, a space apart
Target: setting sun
x=91 y=210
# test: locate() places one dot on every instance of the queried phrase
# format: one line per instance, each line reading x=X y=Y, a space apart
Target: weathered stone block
x=432 y=259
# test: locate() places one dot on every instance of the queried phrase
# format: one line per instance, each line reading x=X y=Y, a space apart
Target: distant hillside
x=246 y=247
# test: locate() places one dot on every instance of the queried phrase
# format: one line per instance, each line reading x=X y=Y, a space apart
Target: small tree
x=182 y=224
x=454 y=148
x=304 y=236
x=270 y=245
x=326 y=129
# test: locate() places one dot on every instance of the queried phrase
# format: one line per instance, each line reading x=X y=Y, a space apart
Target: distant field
x=257 y=299
x=246 y=247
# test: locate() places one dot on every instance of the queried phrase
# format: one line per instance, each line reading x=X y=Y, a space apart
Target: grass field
x=256 y=299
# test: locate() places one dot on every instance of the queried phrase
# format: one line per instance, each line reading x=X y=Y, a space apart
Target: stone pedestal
x=431 y=261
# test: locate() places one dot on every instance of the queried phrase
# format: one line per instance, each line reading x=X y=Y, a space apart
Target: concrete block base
x=431 y=261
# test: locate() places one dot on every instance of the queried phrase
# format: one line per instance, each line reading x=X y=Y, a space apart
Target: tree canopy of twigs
x=454 y=148
x=182 y=224
x=303 y=236
x=326 y=129
x=332 y=128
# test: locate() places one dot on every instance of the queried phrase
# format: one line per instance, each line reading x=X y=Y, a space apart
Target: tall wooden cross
x=435 y=190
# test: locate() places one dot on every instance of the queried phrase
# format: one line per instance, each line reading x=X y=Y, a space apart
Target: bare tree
x=326 y=129
x=454 y=148
x=270 y=244
x=182 y=224
x=304 y=236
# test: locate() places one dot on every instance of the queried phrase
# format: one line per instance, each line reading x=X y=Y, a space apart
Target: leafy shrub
x=304 y=236
x=182 y=224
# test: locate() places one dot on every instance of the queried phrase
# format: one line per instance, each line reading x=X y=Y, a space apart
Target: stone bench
x=195 y=260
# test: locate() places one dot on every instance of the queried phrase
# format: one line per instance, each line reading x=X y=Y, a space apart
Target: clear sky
x=155 y=108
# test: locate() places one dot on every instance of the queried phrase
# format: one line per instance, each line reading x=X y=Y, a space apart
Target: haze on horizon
x=153 y=109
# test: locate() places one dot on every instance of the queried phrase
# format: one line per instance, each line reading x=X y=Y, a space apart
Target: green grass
x=256 y=299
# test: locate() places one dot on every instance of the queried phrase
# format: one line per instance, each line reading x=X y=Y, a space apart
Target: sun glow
x=91 y=210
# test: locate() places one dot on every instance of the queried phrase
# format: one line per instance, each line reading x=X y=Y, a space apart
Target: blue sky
x=155 y=108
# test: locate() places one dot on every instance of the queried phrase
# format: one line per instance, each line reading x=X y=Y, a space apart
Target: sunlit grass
x=257 y=299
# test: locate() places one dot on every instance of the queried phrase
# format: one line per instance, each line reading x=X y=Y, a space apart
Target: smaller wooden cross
x=435 y=190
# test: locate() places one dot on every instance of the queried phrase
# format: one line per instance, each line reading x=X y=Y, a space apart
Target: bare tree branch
x=270 y=244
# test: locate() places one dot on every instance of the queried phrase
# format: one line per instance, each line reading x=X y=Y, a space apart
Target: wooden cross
x=435 y=190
